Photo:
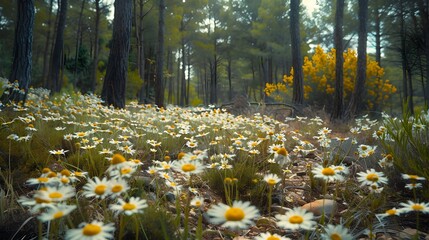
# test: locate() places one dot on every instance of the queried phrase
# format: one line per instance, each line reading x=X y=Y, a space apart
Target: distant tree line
x=207 y=51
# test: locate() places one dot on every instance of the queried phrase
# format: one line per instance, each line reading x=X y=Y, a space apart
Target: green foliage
x=133 y=85
x=406 y=141
x=156 y=223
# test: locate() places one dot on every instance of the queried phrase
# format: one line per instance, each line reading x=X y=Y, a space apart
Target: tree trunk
x=359 y=89
x=22 y=53
x=57 y=54
x=377 y=37
x=78 y=43
x=404 y=60
x=298 y=79
x=96 y=46
x=229 y=72
x=140 y=51
x=159 y=85
x=47 y=52
x=117 y=66
x=423 y=9
x=183 y=75
x=338 y=107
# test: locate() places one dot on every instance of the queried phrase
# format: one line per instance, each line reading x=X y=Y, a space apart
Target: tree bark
x=22 y=53
x=47 y=52
x=338 y=107
x=96 y=46
x=159 y=85
x=423 y=9
x=117 y=66
x=357 y=97
x=57 y=54
x=298 y=76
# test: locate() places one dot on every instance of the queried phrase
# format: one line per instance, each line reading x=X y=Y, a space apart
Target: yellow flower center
x=391 y=212
x=413 y=177
x=336 y=236
x=117 y=188
x=51 y=175
x=91 y=230
x=372 y=177
x=417 y=207
x=100 y=189
x=198 y=204
x=328 y=171
x=273 y=238
x=188 y=167
x=65 y=180
x=40 y=201
x=58 y=214
x=42 y=179
x=234 y=214
x=282 y=151
x=65 y=172
x=125 y=170
x=271 y=182
x=128 y=206
x=46 y=170
x=180 y=155
x=296 y=219
x=56 y=195
x=117 y=159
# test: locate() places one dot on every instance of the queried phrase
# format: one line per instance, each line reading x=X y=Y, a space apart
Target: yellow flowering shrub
x=319 y=79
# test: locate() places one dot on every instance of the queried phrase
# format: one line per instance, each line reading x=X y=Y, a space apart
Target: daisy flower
x=58 y=152
x=271 y=179
x=371 y=177
x=237 y=216
x=296 y=218
x=330 y=174
x=412 y=177
x=118 y=186
x=197 y=202
x=411 y=206
x=336 y=232
x=55 y=194
x=281 y=156
x=97 y=188
x=269 y=236
x=188 y=167
x=91 y=231
x=389 y=212
x=134 y=205
x=56 y=212
x=412 y=186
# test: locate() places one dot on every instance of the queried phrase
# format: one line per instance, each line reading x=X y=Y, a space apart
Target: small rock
x=326 y=206
x=264 y=221
x=241 y=238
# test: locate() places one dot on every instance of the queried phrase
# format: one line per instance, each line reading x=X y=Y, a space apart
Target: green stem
x=270 y=191
x=121 y=226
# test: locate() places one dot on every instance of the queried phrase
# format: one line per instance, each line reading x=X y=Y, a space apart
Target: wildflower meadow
x=72 y=168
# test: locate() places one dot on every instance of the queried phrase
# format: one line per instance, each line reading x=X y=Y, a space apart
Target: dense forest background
x=215 y=50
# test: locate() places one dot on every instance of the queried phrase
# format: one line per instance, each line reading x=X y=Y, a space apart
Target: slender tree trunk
x=78 y=44
x=113 y=92
x=338 y=107
x=424 y=13
x=410 y=91
x=229 y=72
x=47 y=52
x=359 y=89
x=404 y=59
x=183 y=75
x=170 y=77
x=140 y=52
x=159 y=85
x=96 y=46
x=57 y=55
x=298 y=76
x=377 y=37
x=22 y=53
